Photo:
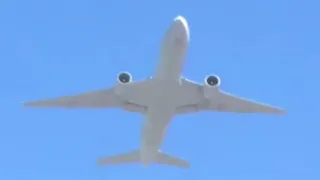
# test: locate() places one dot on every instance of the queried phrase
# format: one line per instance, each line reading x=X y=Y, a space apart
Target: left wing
x=93 y=99
x=132 y=97
x=195 y=101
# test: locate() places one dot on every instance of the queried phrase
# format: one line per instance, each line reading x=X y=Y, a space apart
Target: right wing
x=227 y=102
x=194 y=101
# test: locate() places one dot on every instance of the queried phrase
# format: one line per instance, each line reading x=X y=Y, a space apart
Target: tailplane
x=163 y=158
x=134 y=157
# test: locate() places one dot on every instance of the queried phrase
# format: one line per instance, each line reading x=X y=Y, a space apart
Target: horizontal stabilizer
x=134 y=157
x=163 y=158
x=130 y=157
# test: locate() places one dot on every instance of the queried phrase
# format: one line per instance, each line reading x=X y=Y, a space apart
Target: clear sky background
x=263 y=50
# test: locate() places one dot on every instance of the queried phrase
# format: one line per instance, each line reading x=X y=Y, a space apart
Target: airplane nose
x=182 y=25
x=178 y=18
x=181 y=21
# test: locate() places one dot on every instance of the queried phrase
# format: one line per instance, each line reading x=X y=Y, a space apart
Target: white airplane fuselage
x=160 y=98
x=168 y=73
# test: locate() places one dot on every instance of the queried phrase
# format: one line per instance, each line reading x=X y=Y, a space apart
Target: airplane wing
x=195 y=101
x=132 y=99
x=93 y=99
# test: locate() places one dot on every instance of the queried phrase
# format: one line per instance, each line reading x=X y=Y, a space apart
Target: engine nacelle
x=124 y=78
x=211 y=87
x=212 y=81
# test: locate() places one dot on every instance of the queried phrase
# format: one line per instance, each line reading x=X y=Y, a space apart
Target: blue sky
x=263 y=50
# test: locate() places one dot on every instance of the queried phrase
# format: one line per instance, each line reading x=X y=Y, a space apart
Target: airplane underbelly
x=170 y=67
x=157 y=120
x=171 y=61
x=159 y=114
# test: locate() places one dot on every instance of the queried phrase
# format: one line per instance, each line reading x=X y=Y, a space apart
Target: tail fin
x=134 y=157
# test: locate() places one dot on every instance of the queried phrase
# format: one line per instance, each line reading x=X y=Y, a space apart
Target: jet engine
x=124 y=78
x=212 y=80
x=211 y=87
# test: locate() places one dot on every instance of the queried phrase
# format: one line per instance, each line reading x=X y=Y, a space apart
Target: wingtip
x=29 y=104
x=26 y=104
x=282 y=112
x=99 y=162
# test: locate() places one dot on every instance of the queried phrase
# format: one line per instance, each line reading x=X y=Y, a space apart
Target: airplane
x=159 y=99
